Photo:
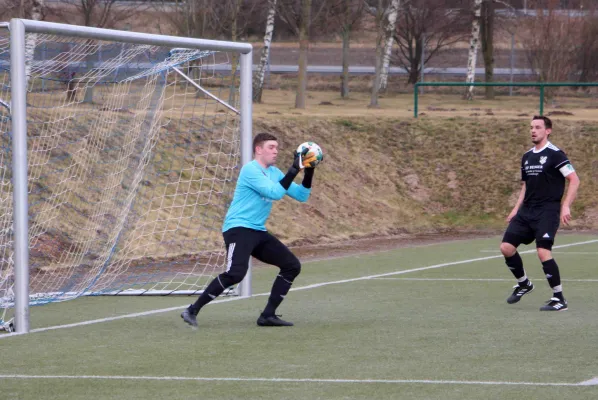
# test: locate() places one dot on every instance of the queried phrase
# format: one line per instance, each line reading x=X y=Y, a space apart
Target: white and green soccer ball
x=314 y=148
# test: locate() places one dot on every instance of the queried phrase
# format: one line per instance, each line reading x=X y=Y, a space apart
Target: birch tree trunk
x=379 y=51
x=303 y=49
x=258 y=80
x=393 y=10
x=474 y=44
x=31 y=40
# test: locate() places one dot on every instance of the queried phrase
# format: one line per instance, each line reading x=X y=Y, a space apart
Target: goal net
x=132 y=154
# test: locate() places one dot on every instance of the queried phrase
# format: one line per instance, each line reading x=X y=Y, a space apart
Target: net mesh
x=131 y=167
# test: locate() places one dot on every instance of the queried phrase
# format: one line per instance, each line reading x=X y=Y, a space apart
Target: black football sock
x=280 y=288
x=515 y=264
x=214 y=289
x=551 y=269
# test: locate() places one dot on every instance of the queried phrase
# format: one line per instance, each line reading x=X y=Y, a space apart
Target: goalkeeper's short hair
x=262 y=137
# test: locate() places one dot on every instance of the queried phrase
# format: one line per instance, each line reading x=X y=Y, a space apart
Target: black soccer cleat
x=555 y=304
x=272 y=320
x=189 y=318
x=519 y=292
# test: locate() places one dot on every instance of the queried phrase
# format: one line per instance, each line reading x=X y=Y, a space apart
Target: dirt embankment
x=390 y=177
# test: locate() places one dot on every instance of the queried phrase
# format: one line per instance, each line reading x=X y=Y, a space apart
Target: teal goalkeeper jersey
x=257 y=187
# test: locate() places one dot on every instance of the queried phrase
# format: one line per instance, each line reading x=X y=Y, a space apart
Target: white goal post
x=119 y=156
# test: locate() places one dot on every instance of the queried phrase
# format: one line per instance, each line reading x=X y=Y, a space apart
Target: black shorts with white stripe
x=242 y=243
x=538 y=223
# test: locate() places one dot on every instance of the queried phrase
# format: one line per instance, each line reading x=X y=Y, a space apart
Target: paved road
x=364 y=70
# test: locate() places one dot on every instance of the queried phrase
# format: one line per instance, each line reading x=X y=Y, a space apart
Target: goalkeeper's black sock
x=214 y=289
x=280 y=288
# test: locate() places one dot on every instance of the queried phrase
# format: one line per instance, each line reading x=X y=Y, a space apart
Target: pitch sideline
x=591 y=382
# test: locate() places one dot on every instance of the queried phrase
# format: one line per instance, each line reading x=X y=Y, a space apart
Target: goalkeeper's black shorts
x=242 y=243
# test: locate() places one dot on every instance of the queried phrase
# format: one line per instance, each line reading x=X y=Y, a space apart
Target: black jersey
x=544 y=175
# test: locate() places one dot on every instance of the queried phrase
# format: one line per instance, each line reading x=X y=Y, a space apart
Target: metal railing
x=541 y=85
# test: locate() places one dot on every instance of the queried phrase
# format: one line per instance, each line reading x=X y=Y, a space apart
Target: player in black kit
x=538 y=212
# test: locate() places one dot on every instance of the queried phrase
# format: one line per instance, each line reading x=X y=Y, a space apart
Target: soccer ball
x=314 y=148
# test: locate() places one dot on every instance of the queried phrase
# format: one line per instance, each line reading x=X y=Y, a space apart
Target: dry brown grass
x=328 y=104
x=387 y=173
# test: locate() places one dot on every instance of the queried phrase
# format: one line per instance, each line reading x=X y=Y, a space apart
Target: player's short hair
x=547 y=121
x=260 y=138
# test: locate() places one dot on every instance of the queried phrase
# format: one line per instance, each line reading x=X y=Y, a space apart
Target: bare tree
x=392 y=12
x=303 y=49
x=258 y=79
x=347 y=16
x=487 y=39
x=29 y=9
x=378 y=11
x=550 y=40
x=93 y=13
x=474 y=44
x=228 y=17
x=228 y=21
x=10 y=9
x=489 y=22
x=191 y=18
x=297 y=14
x=34 y=12
x=588 y=46
x=426 y=27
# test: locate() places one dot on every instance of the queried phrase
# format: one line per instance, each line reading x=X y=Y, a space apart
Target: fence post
x=512 y=62
x=541 y=99
x=415 y=99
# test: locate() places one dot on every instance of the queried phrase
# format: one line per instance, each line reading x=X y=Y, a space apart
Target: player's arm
x=573 y=179
x=566 y=169
x=518 y=204
x=268 y=188
x=256 y=180
x=301 y=192
x=521 y=192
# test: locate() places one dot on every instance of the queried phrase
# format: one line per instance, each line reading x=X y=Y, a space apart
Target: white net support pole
x=18 y=82
x=244 y=287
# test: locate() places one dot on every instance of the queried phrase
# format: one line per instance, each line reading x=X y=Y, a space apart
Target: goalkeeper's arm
x=308 y=176
x=286 y=181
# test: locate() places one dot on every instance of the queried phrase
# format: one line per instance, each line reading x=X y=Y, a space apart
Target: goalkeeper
x=259 y=184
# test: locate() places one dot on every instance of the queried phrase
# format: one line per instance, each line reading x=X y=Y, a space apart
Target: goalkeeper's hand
x=296 y=166
x=306 y=157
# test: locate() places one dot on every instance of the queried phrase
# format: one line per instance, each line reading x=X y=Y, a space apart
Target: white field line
x=554 y=252
x=477 y=279
x=316 y=285
x=590 y=382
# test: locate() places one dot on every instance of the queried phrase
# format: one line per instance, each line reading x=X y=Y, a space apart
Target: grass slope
x=385 y=176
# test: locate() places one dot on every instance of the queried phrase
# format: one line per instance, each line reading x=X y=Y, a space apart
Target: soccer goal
x=120 y=152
